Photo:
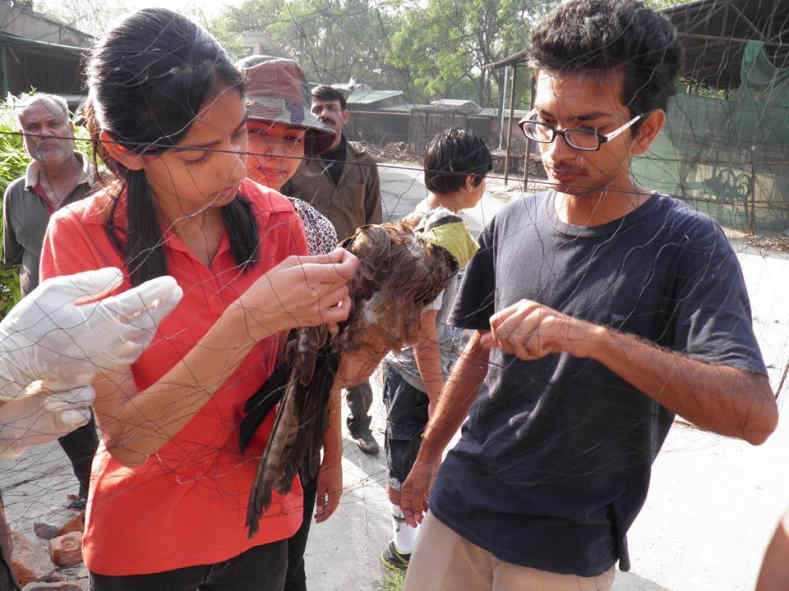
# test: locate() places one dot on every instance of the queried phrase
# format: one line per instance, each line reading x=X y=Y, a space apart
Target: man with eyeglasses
x=602 y=310
x=342 y=183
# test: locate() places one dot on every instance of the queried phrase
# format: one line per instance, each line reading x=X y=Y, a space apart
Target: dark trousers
x=80 y=447
x=296 y=579
x=261 y=568
x=359 y=400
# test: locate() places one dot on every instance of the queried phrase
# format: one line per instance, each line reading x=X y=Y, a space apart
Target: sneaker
x=367 y=443
x=76 y=502
x=394 y=560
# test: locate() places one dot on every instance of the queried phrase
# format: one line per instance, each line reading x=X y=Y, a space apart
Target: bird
x=400 y=272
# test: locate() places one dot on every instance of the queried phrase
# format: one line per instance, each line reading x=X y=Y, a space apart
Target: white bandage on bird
x=59 y=337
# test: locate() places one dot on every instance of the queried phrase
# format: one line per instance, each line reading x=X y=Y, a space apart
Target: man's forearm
x=459 y=393
x=722 y=399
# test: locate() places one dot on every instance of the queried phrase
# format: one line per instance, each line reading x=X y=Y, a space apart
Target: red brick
x=66 y=550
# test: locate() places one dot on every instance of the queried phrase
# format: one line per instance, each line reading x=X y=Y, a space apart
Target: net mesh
x=727 y=155
x=723 y=150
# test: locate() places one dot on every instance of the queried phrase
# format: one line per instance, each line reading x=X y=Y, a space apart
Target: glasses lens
x=581 y=139
x=536 y=131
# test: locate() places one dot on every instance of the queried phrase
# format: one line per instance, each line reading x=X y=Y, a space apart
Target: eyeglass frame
x=601 y=138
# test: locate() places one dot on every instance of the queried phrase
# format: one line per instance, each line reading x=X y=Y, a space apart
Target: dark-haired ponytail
x=144 y=253
x=243 y=231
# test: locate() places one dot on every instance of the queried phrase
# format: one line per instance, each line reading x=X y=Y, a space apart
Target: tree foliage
x=333 y=40
x=445 y=45
x=429 y=50
x=13 y=162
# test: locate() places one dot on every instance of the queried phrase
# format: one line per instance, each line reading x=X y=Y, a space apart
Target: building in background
x=39 y=52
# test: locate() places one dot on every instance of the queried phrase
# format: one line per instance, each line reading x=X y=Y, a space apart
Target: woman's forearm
x=135 y=424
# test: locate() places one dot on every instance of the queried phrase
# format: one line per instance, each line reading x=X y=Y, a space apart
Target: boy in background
x=455 y=163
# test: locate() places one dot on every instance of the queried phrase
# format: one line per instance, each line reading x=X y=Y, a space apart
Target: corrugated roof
x=714 y=33
x=17 y=41
x=368 y=97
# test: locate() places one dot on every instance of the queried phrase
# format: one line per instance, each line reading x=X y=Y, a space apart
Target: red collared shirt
x=185 y=505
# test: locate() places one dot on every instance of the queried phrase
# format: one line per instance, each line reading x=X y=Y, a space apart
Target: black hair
x=451 y=156
x=604 y=35
x=325 y=92
x=147 y=80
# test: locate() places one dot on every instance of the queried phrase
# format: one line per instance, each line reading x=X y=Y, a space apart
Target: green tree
x=13 y=162
x=333 y=40
x=444 y=46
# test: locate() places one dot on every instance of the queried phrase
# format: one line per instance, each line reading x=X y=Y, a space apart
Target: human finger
x=344 y=260
x=411 y=503
x=333 y=501
x=329 y=502
x=326 y=273
x=340 y=260
x=321 y=502
x=504 y=327
x=500 y=316
x=487 y=341
x=338 y=312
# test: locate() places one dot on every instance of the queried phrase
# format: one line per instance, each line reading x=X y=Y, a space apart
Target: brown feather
x=399 y=273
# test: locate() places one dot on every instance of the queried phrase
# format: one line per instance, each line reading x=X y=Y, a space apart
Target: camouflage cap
x=275 y=91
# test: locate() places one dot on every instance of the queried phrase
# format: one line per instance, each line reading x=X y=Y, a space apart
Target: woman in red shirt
x=170 y=488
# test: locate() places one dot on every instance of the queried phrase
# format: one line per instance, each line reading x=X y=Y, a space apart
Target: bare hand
x=299 y=292
x=531 y=331
x=416 y=489
x=329 y=489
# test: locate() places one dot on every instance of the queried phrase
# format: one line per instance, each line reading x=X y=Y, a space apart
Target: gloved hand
x=63 y=335
x=42 y=417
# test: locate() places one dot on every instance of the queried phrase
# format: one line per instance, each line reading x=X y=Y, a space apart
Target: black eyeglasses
x=578 y=138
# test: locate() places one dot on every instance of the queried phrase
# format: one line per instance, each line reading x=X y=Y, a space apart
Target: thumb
x=487 y=341
x=86 y=286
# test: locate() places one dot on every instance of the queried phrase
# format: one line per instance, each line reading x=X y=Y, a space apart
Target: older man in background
x=56 y=176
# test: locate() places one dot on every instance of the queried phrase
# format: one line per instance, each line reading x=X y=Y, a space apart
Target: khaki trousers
x=445 y=561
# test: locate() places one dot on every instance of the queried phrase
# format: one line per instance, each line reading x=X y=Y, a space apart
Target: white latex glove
x=42 y=417
x=54 y=337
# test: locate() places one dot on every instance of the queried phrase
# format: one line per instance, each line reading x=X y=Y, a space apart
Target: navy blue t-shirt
x=554 y=460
